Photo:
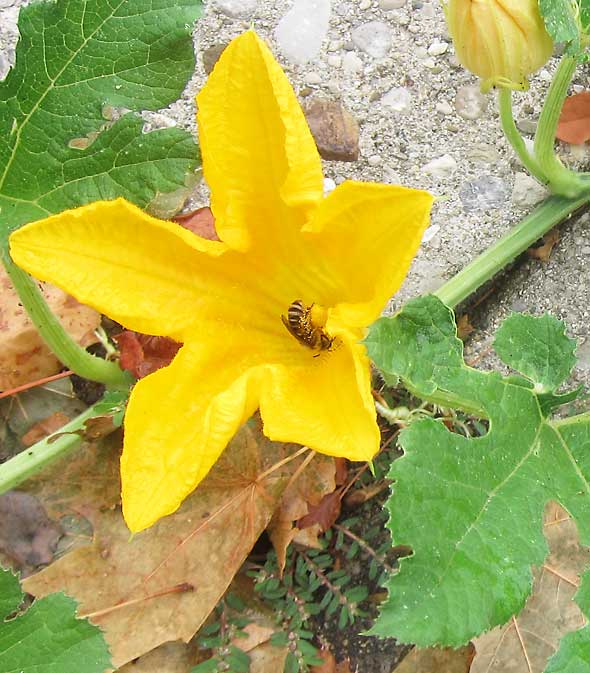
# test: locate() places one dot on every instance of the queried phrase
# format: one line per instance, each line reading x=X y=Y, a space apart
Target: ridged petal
x=178 y=422
x=326 y=405
x=259 y=157
x=145 y=273
x=366 y=236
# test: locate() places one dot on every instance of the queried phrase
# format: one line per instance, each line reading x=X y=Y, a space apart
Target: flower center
x=306 y=324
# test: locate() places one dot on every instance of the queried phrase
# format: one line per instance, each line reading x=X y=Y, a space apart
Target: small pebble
x=237 y=9
x=313 y=78
x=470 y=103
x=527 y=126
x=374 y=38
x=441 y=168
x=329 y=186
x=364 y=4
x=391 y=4
x=374 y=160
x=334 y=60
x=527 y=192
x=302 y=29
x=351 y=63
x=484 y=193
x=444 y=108
x=398 y=99
x=437 y=48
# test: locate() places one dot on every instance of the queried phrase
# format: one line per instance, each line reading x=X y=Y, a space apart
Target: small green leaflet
x=48 y=637
x=564 y=19
x=472 y=508
x=75 y=61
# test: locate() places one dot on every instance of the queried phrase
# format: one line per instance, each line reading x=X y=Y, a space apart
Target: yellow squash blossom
x=501 y=41
x=271 y=316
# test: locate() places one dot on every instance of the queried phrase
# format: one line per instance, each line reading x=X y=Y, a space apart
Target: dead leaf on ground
x=24 y=355
x=438 y=660
x=330 y=664
x=529 y=639
x=27 y=535
x=543 y=252
x=142 y=354
x=360 y=495
x=138 y=590
x=464 y=327
x=574 y=120
x=200 y=221
x=267 y=658
x=307 y=490
x=174 y=657
x=324 y=513
x=45 y=428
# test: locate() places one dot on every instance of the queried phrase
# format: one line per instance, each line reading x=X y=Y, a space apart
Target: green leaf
x=537 y=347
x=561 y=21
x=77 y=60
x=48 y=637
x=11 y=595
x=471 y=508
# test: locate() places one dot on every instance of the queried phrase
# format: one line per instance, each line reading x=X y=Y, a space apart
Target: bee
x=300 y=325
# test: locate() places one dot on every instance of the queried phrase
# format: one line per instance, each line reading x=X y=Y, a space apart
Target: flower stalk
x=72 y=355
x=550 y=213
x=27 y=463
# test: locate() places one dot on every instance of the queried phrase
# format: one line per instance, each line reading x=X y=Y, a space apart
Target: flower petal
x=178 y=422
x=110 y=255
x=326 y=405
x=367 y=234
x=259 y=156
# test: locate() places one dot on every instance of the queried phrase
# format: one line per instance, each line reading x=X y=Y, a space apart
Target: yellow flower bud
x=501 y=41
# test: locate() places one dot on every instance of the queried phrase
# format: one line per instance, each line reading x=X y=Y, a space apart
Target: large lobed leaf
x=48 y=637
x=472 y=509
x=76 y=60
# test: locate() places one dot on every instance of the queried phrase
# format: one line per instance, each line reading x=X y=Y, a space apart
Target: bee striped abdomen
x=300 y=325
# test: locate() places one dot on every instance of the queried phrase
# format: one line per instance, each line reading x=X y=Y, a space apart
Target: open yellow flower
x=228 y=301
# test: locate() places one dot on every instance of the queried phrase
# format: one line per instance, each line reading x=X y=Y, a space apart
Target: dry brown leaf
x=438 y=660
x=527 y=641
x=24 y=355
x=317 y=480
x=256 y=634
x=44 y=428
x=267 y=658
x=142 y=354
x=464 y=327
x=174 y=657
x=324 y=513
x=543 y=252
x=200 y=221
x=161 y=584
x=574 y=121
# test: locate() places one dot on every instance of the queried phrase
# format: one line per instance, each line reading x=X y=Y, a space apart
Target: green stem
x=550 y=213
x=61 y=343
x=513 y=135
x=561 y=180
x=30 y=461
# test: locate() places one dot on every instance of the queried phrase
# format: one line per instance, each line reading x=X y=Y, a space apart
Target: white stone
x=443 y=167
x=329 y=186
x=430 y=233
x=302 y=29
x=391 y=4
x=398 y=99
x=364 y=4
x=527 y=192
x=437 y=48
x=237 y=9
x=334 y=60
x=374 y=38
x=313 y=78
x=444 y=108
x=374 y=160
x=351 y=63
x=470 y=103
